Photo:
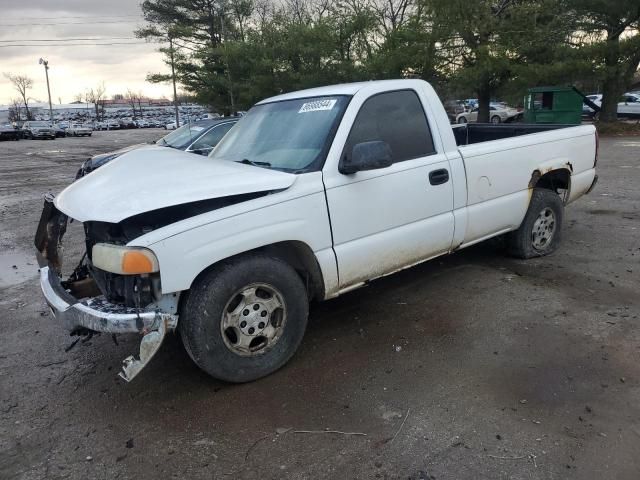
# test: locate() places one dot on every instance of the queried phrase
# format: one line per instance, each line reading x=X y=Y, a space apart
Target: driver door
x=385 y=219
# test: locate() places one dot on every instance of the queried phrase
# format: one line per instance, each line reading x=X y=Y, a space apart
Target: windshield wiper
x=246 y=161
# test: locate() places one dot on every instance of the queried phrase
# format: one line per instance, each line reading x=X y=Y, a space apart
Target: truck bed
x=471 y=133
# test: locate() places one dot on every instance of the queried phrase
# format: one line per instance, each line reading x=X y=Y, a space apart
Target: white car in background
x=173 y=126
x=497 y=114
x=628 y=106
x=78 y=130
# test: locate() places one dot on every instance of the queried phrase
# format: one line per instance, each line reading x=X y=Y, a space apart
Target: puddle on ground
x=16 y=267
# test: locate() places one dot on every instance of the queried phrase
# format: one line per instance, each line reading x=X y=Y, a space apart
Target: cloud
x=74 y=69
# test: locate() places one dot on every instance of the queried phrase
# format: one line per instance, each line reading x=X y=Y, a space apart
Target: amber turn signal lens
x=135 y=262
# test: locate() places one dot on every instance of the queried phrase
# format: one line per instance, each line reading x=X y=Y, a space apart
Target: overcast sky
x=74 y=69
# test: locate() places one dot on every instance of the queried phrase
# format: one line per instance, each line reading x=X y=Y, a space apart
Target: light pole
x=46 y=72
x=173 y=77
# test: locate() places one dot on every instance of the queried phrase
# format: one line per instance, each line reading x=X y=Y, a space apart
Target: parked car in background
x=199 y=137
x=9 y=132
x=127 y=122
x=61 y=131
x=595 y=98
x=38 y=129
x=628 y=105
x=471 y=103
x=79 y=130
x=454 y=108
x=496 y=115
x=113 y=125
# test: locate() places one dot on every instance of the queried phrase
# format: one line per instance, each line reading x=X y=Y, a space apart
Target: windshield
x=291 y=135
x=182 y=137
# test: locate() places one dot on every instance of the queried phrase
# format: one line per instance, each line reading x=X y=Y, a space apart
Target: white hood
x=148 y=179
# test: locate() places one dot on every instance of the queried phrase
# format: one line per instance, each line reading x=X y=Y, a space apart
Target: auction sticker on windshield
x=317 y=106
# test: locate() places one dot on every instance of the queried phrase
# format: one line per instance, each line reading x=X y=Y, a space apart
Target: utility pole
x=173 y=77
x=226 y=61
x=46 y=72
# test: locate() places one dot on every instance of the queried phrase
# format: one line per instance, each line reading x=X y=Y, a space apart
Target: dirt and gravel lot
x=473 y=366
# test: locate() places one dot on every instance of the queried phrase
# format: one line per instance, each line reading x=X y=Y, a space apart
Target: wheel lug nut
x=256 y=307
x=245 y=313
x=243 y=324
x=263 y=313
x=251 y=330
x=261 y=325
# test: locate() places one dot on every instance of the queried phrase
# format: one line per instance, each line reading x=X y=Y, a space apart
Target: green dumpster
x=553 y=105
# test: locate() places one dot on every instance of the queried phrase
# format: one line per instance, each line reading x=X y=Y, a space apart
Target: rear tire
x=244 y=318
x=496 y=119
x=540 y=231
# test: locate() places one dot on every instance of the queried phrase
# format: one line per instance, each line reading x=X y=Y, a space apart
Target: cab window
x=396 y=118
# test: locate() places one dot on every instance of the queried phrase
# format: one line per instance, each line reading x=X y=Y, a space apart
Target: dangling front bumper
x=96 y=314
x=84 y=313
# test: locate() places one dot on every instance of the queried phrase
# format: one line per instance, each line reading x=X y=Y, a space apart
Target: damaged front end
x=93 y=300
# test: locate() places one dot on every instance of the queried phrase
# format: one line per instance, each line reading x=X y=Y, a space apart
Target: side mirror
x=367 y=156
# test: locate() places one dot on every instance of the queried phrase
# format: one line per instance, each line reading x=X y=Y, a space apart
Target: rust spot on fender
x=535 y=176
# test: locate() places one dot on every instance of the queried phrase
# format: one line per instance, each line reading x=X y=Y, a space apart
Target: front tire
x=244 y=318
x=462 y=120
x=540 y=231
x=496 y=119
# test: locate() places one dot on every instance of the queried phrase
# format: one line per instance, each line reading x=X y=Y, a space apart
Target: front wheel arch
x=296 y=254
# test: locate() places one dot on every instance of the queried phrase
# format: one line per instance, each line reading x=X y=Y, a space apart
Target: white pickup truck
x=312 y=194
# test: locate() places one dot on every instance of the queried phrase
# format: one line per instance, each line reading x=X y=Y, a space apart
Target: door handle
x=438 y=177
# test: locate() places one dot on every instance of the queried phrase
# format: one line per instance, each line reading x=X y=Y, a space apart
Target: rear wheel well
x=558 y=181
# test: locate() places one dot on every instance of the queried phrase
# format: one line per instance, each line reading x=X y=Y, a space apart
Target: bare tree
x=139 y=97
x=15 y=110
x=22 y=84
x=131 y=99
x=96 y=96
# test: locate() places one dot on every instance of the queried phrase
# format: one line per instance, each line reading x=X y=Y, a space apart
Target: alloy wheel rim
x=253 y=319
x=544 y=229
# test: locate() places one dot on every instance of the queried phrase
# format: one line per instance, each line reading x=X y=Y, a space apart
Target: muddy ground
x=473 y=366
